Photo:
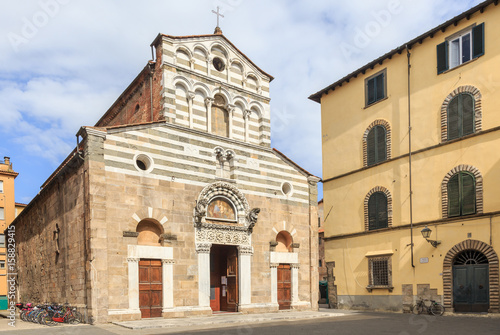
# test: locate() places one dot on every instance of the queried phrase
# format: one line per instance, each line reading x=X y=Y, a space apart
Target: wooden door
x=232 y=280
x=150 y=288
x=471 y=288
x=215 y=280
x=284 y=286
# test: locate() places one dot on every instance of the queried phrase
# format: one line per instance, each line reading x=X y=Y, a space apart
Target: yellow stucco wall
x=7 y=175
x=344 y=121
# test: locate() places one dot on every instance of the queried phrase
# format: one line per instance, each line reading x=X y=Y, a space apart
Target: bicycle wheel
x=75 y=318
x=437 y=309
x=417 y=309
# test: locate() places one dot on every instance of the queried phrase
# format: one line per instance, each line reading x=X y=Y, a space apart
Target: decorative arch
x=179 y=80
x=284 y=241
x=478 y=114
x=203 y=88
x=479 y=187
x=183 y=50
x=203 y=49
x=229 y=191
x=490 y=253
x=239 y=100
x=218 y=46
x=149 y=232
x=388 y=138
x=255 y=78
x=389 y=205
x=148 y=213
x=225 y=93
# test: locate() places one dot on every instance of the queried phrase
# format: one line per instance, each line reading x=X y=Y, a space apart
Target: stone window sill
x=374 y=287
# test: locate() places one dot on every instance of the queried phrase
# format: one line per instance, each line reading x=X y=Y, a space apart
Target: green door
x=471 y=288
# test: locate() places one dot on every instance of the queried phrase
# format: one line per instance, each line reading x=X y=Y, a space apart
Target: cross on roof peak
x=217 y=29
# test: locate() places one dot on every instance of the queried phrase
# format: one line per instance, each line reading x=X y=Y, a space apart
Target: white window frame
x=2 y=213
x=1 y=186
x=2 y=241
x=453 y=53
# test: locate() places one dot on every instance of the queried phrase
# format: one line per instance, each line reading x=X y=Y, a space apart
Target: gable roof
x=465 y=15
x=156 y=40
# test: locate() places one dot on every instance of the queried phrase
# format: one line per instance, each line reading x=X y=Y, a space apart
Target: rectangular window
x=460 y=48
x=320 y=263
x=319 y=221
x=380 y=272
x=1 y=186
x=375 y=87
x=2 y=265
x=2 y=213
x=2 y=241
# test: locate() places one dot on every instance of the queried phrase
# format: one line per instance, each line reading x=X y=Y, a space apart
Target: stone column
x=208 y=104
x=295 y=283
x=246 y=117
x=133 y=284
x=274 y=283
x=245 y=274
x=230 y=110
x=168 y=283
x=190 y=97
x=203 y=250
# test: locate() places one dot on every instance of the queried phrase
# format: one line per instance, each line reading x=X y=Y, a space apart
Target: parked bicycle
x=430 y=306
x=49 y=314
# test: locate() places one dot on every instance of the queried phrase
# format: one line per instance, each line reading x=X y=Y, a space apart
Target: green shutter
x=370 y=147
x=371 y=91
x=454 y=196
x=380 y=87
x=442 y=57
x=478 y=40
x=467 y=114
x=454 y=118
x=468 y=193
x=381 y=152
x=377 y=211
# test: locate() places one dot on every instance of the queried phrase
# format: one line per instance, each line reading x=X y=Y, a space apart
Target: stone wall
x=50 y=246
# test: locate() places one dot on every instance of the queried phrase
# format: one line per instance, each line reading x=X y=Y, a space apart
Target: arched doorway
x=462 y=256
x=471 y=282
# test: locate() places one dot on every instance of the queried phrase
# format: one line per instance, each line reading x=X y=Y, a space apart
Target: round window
x=286 y=188
x=218 y=64
x=143 y=163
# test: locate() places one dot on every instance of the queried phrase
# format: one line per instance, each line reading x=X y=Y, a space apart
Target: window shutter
x=380 y=94
x=468 y=193
x=381 y=144
x=371 y=91
x=478 y=40
x=370 y=147
x=453 y=118
x=381 y=210
x=453 y=196
x=467 y=114
x=442 y=57
x=372 y=213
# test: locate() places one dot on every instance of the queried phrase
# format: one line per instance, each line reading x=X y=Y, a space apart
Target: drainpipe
x=408 y=54
x=151 y=71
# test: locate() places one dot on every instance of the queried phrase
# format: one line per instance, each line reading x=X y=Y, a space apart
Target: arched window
x=461 y=194
x=461 y=116
x=376 y=145
x=220 y=117
x=377 y=211
x=149 y=233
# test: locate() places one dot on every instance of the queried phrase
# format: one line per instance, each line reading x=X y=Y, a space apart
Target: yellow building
x=411 y=140
x=8 y=211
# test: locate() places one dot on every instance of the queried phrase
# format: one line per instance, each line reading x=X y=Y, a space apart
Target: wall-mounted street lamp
x=426 y=233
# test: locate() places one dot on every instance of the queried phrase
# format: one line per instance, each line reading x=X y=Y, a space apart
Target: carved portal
x=233 y=230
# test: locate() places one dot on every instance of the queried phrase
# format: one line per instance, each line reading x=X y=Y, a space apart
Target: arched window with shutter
x=376 y=145
x=461 y=194
x=377 y=211
x=461 y=116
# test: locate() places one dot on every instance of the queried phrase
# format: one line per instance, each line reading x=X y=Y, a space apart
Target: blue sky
x=64 y=62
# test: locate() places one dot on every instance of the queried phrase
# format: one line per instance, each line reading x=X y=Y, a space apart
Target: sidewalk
x=230 y=319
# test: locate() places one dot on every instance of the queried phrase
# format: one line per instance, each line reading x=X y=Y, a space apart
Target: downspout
x=151 y=71
x=408 y=54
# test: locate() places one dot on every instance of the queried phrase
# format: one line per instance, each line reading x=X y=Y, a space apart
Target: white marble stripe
x=195 y=183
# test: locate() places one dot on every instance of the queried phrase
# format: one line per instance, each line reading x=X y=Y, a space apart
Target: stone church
x=174 y=203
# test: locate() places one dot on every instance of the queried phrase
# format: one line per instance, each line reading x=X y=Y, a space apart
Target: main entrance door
x=284 y=286
x=150 y=288
x=224 y=278
x=471 y=282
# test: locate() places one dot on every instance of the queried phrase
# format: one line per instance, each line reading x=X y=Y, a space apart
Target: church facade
x=174 y=203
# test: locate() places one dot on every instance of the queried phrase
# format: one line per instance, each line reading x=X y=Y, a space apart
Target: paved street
x=350 y=323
